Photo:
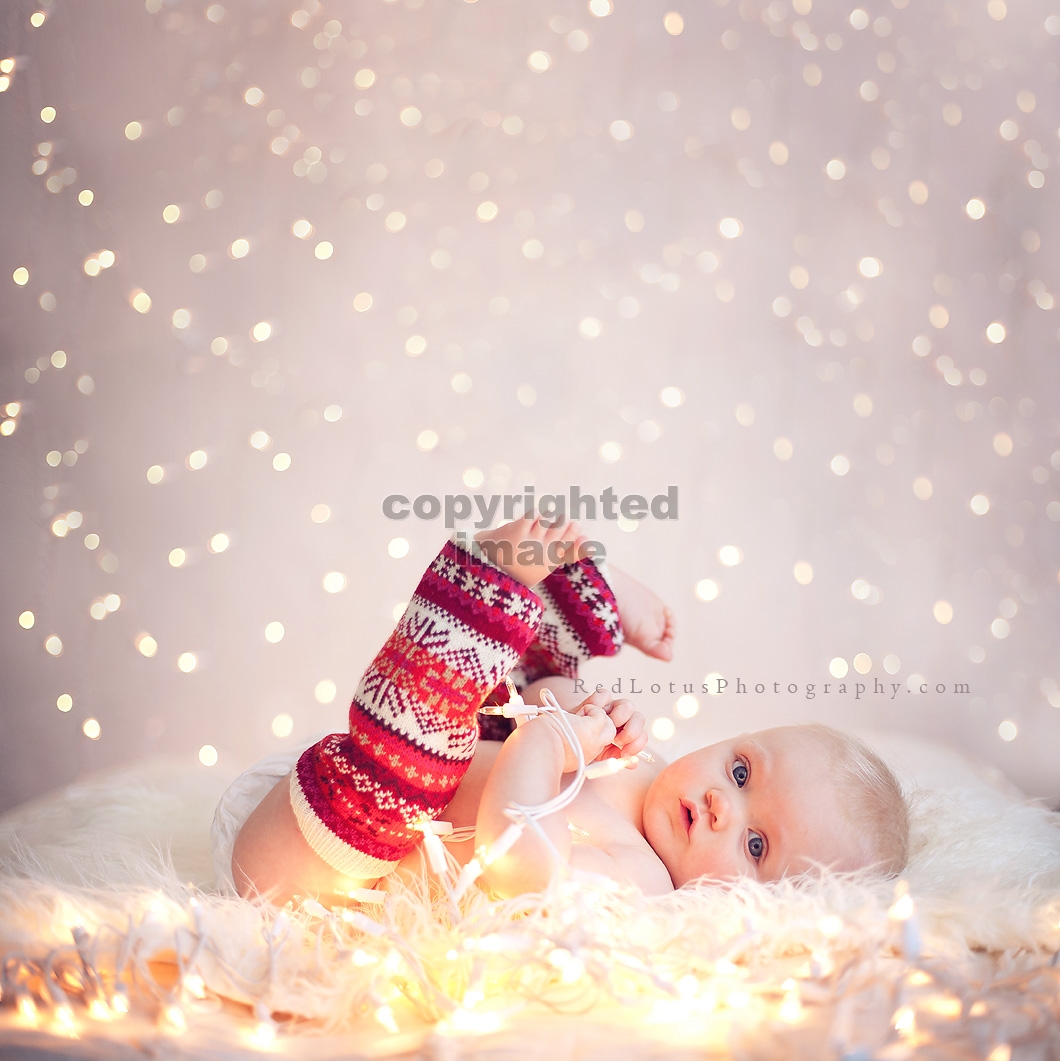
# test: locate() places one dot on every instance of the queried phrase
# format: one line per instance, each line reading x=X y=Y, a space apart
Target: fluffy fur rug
x=835 y=967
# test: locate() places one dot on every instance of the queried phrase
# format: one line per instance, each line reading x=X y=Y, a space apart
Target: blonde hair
x=871 y=799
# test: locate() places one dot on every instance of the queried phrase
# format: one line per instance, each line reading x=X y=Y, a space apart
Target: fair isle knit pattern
x=580 y=621
x=357 y=795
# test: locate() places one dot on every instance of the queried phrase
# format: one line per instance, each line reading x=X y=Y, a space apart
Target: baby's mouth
x=688 y=810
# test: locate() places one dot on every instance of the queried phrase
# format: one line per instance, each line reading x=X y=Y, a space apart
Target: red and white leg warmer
x=358 y=795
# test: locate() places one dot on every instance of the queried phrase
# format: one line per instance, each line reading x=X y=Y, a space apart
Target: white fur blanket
x=834 y=967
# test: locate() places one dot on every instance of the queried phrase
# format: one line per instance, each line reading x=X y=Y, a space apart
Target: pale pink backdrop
x=628 y=244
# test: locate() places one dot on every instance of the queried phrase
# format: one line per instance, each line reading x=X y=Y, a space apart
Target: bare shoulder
x=625 y=863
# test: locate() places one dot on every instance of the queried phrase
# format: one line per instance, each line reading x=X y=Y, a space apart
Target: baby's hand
x=630 y=727
x=631 y=730
x=530 y=550
x=593 y=729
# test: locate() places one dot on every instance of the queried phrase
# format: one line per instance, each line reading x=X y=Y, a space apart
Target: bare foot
x=648 y=622
x=530 y=550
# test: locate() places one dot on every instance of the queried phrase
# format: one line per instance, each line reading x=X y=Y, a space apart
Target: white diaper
x=236 y=805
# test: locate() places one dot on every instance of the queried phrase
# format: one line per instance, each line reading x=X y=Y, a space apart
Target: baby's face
x=761 y=805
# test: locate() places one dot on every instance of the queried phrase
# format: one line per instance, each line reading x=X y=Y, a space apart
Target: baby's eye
x=756 y=846
x=740 y=773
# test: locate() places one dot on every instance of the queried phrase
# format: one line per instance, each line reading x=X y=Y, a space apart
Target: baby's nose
x=719 y=808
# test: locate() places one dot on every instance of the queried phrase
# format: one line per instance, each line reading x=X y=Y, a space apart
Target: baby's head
x=775 y=803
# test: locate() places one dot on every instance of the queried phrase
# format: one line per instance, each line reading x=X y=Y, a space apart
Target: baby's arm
x=529 y=771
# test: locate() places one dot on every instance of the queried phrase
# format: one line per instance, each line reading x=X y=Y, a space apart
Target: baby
x=766 y=805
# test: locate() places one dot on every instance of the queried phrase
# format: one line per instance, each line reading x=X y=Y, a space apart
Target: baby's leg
x=357 y=796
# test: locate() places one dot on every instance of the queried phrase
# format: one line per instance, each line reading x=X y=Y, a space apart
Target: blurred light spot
x=918 y=192
x=155 y=474
x=486 y=210
x=323 y=250
x=686 y=706
x=415 y=345
x=803 y=572
x=325 y=691
x=730 y=555
x=860 y=589
x=26 y=620
x=177 y=557
x=611 y=452
x=196 y=460
x=525 y=395
x=943 y=612
x=473 y=478
x=60 y=527
x=426 y=440
x=663 y=729
x=364 y=78
x=133 y=131
x=870 y=267
x=839 y=464
x=334 y=582
x=1007 y=730
x=862 y=663
x=65 y=702
x=362 y=302
x=590 y=327
x=283 y=724
x=91 y=728
x=320 y=513
x=395 y=221
x=54 y=646
x=707 y=589
x=975 y=209
x=146 y=645
x=533 y=249
x=274 y=632
x=745 y=414
x=1000 y=629
x=730 y=227
x=539 y=61
x=332 y=413
x=979 y=504
x=671 y=397
x=922 y=488
x=837 y=667
x=239 y=248
x=47 y=115
x=891 y=663
x=219 y=543
x=995 y=332
x=397 y=548
x=778 y=153
x=171 y=214
x=461 y=383
x=673 y=23
x=1002 y=444
x=140 y=301
x=260 y=440
x=862 y=405
x=187 y=662
x=261 y=331
x=601 y=8
x=836 y=169
x=281 y=462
